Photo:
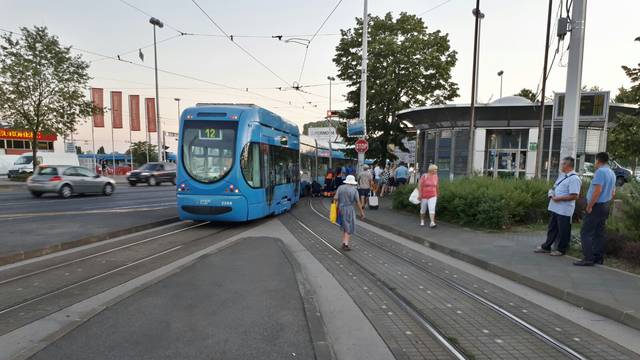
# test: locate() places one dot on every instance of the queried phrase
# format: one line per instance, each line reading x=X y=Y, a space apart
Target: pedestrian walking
x=365 y=181
x=377 y=176
x=428 y=190
x=562 y=203
x=347 y=199
x=385 y=177
x=402 y=174
x=601 y=191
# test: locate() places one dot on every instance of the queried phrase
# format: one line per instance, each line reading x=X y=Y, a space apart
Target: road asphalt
x=29 y=224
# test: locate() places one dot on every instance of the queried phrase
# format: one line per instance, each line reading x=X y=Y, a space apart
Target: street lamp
x=331 y=79
x=157 y=23
x=500 y=73
x=478 y=15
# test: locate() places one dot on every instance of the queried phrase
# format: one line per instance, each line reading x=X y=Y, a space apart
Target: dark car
x=153 y=173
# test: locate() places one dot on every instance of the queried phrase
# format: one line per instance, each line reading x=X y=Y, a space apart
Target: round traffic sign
x=361 y=146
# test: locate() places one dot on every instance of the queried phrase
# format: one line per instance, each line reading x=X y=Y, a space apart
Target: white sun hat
x=351 y=180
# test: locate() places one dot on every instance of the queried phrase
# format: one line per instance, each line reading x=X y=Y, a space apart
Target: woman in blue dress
x=347 y=199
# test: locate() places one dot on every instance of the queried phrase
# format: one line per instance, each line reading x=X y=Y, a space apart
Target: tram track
x=419 y=316
x=28 y=304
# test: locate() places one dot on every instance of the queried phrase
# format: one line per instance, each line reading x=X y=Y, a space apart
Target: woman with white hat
x=346 y=199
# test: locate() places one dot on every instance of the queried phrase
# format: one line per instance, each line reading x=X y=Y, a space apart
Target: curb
x=24 y=255
x=626 y=317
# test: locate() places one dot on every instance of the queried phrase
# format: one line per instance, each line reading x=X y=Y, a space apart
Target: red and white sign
x=98 y=101
x=361 y=146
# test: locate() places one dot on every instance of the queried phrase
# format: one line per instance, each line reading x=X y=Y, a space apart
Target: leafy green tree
x=140 y=150
x=42 y=85
x=623 y=140
x=408 y=67
x=100 y=150
x=527 y=94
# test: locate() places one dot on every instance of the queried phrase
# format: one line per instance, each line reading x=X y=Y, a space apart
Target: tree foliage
x=527 y=94
x=140 y=150
x=624 y=139
x=408 y=66
x=101 y=150
x=41 y=84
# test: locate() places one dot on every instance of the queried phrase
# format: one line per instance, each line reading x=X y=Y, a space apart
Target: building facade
x=506 y=137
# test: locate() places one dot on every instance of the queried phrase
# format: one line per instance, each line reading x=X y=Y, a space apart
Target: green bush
x=627 y=224
x=21 y=177
x=486 y=202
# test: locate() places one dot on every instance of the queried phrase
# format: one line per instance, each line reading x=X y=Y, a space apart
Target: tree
x=527 y=94
x=100 y=150
x=408 y=67
x=623 y=140
x=140 y=149
x=42 y=85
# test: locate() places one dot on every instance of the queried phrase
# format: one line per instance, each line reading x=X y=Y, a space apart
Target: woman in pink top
x=428 y=189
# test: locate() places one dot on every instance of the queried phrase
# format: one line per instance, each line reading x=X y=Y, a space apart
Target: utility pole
x=155 y=22
x=363 y=80
x=571 y=114
x=542 y=96
x=472 y=108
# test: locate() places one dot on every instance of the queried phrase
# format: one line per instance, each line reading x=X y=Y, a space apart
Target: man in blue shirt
x=599 y=196
x=402 y=174
x=562 y=203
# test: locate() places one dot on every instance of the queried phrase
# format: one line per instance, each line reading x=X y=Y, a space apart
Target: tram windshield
x=208 y=149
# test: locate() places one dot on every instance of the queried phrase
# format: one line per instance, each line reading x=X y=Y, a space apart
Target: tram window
x=284 y=164
x=250 y=163
x=207 y=149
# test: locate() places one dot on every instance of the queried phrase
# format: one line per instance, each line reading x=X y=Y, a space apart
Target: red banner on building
x=150 y=107
x=25 y=135
x=134 y=112
x=116 y=109
x=98 y=101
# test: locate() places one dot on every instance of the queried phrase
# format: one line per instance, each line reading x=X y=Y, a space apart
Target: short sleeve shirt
x=364 y=180
x=402 y=172
x=377 y=171
x=566 y=184
x=606 y=178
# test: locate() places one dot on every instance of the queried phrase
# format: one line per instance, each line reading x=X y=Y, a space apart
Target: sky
x=512 y=40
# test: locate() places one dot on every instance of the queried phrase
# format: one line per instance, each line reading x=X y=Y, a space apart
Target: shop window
x=2 y=146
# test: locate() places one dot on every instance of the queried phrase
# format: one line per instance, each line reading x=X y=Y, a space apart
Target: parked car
x=153 y=173
x=68 y=180
x=623 y=175
x=24 y=163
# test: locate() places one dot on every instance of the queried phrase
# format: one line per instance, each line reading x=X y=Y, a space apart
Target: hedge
x=485 y=202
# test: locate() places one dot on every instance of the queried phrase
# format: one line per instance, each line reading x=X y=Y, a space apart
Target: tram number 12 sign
x=361 y=146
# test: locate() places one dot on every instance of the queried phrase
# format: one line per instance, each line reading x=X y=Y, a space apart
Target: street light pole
x=540 y=147
x=472 y=119
x=500 y=73
x=155 y=22
x=363 y=80
x=331 y=79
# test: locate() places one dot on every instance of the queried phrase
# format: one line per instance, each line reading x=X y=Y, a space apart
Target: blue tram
x=242 y=162
x=236 y=163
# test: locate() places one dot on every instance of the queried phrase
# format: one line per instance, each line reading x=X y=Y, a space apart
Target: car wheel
x=132 y=183
x=36 y=194
x=152 y=181
x=65 y=191
x=108 y=189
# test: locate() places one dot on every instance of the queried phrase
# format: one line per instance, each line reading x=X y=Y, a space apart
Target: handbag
x=333 y=212
x=413 y=198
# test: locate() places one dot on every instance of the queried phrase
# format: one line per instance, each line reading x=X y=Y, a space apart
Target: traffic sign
x=361 y=146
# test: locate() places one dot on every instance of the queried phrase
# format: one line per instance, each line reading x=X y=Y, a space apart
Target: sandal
x=346 y=247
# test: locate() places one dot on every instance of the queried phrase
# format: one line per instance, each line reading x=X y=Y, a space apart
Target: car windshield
x=23 y=160
x=208 y=149
x=150 y=167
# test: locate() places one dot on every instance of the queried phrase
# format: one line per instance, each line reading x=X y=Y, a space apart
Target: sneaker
x=433 y=225
x=421 y=223
x=541 y=250
x=583 y=263
x=556 y=253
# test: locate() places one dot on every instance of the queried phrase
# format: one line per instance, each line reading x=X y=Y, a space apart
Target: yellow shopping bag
x=333 y=214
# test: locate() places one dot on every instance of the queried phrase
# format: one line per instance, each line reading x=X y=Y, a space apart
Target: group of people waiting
x=562 y=203
x=388 y=176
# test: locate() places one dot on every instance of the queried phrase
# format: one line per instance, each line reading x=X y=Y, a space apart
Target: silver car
x=66 y=180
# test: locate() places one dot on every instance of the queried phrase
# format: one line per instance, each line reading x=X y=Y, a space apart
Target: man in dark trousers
x=562 y=203
x=599 y=196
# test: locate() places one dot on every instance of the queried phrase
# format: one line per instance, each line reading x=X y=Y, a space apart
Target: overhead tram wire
x=149 y=15
x=306 y=50
x=141 y=47
x=230 y=37
x=435 y=7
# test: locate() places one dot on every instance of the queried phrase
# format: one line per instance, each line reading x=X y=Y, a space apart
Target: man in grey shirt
x=562 y=203
x=364 y=183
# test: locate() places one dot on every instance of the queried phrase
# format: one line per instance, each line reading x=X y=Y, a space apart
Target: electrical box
x=563 y=26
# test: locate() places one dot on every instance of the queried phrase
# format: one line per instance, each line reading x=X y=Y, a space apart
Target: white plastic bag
x=413 y=198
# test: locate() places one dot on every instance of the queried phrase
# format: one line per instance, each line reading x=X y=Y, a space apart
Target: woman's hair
x=433 y=167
